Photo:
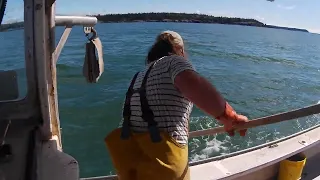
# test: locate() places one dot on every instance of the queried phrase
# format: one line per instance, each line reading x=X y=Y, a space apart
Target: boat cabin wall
x=32 y=142
x=38 y=106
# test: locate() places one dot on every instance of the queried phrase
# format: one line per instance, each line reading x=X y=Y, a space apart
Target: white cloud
x=286 y=7
x=198 y=12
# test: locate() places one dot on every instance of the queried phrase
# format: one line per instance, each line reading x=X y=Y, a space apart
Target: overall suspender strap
x=147 y=114
x=127 y=111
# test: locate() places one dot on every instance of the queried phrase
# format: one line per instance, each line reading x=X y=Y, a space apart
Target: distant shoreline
x=169 y=17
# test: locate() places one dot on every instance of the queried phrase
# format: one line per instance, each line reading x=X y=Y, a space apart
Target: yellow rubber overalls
x=151 y=155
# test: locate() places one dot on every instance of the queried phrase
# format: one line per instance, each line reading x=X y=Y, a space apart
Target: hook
x=94 y=34
x=88 y=30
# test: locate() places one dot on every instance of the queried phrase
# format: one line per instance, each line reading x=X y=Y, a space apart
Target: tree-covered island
x=169 y=17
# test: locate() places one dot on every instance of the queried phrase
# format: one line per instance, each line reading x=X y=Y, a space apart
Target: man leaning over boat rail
x=152 y=140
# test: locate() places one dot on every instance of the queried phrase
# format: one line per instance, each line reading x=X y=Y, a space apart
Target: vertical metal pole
x=41 y=57
x=31 y=67
x=53 y=96
x=44 y=25
x=29 y=47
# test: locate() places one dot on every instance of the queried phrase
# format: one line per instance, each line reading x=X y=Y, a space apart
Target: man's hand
x=230 y=118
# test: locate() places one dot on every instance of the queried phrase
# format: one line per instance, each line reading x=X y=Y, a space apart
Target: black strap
x=127 y=111
x=147 y=113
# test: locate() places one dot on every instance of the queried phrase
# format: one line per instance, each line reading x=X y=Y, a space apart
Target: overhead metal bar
x=75 y=21
x=69 y=22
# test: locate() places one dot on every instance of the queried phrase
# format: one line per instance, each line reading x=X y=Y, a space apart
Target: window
x=13 y=79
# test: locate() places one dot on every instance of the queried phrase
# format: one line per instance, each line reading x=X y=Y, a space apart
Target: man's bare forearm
x=201 y=92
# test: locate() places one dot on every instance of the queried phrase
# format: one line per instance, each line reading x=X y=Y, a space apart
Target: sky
x=291 y=13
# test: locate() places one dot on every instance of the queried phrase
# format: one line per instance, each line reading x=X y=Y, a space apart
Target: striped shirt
x=171 y=110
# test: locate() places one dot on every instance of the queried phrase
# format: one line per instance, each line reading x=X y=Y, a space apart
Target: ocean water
x=259 y=71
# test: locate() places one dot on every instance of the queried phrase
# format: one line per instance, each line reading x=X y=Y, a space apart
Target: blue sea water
x=259 y=71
